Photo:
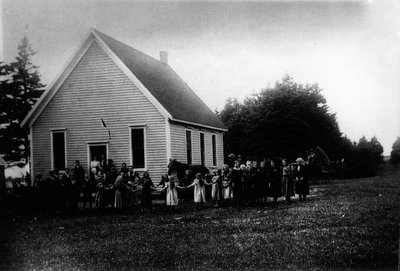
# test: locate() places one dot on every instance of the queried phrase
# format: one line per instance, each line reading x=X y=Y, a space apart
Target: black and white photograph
x=199 y=135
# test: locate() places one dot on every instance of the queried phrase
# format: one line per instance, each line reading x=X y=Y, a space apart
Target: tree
x=20 y=89
x=285 y=120
x=395 y=153
x=364 y=158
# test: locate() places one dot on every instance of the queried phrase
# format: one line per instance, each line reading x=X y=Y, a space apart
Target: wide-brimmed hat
x=300 y=160
x=231 y=155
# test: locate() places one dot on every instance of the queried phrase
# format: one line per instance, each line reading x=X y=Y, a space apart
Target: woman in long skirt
x=287 y=186
x=227 y=190
x=275 y=178
x=118 y=191
x=302 y=187
x=99 y=198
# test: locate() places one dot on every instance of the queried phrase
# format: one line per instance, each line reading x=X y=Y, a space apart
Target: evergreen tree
x=395 y=153
x=20 y=89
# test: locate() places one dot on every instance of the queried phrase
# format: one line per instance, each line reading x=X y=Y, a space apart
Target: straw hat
x=299 y=160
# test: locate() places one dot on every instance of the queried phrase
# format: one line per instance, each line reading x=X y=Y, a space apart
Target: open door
x=97 y=150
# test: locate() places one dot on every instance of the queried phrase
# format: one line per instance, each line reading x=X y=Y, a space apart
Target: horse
x=180 y=169
x=321 y=168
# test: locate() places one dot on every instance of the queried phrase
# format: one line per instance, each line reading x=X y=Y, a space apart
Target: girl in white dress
x=199 y=191
x=171 y=194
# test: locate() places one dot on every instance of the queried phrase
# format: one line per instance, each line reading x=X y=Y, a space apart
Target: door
x=97 y=150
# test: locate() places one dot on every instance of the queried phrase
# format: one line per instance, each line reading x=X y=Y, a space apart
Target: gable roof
x=170 y=94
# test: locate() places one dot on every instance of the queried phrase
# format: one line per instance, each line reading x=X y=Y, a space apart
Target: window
x=214 y=149
x=58 y=149
x=189 y=147
x=202 y=149
x=138 y=152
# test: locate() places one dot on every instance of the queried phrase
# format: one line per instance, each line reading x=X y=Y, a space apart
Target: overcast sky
x=232 y=49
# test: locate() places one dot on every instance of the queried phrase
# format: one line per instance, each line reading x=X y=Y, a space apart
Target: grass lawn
x=344 y=224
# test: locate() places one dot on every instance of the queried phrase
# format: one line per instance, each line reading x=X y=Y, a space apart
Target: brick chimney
x=164 y=57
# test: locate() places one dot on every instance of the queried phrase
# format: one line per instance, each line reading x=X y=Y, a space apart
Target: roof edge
x=199 y=125
x=54 y=86
x=131 y=75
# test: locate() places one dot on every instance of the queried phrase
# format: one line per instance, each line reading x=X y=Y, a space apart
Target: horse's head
x=171 y=166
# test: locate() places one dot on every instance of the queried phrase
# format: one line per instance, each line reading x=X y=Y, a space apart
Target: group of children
x=243 y=184
x=239 y=184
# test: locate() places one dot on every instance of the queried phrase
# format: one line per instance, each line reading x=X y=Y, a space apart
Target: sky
x=232 y=49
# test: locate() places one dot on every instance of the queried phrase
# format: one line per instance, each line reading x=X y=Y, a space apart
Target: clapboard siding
x=178 y=142
x=178 y=145
x=98 y=89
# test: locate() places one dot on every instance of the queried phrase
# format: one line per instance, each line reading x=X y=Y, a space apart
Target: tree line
x=287 y=120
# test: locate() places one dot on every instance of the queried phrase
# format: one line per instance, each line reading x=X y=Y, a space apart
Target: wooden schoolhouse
x=114 y=100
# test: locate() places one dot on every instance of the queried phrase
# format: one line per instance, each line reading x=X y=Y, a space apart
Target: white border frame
x=130 y=128
x=53 y=131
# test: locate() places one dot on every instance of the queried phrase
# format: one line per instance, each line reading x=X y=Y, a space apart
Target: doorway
x=97 y=150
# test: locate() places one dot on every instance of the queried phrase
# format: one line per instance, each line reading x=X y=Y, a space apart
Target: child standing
x=199 y=191
x=147 y=187
x=216 y=187
x=171 y=199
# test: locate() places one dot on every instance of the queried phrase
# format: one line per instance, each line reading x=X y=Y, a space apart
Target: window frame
x=214 y=150
x=58 y=131
x=202 y=149
x=191 y=146
x=144 y=128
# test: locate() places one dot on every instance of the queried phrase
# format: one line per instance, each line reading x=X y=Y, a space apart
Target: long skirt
x=227 y=192
x=302 y=187
x=199 y=194
x=287 y=187
x=146 y=200
x=118 y=199
x=99 y=199
x=172 y=197
x=275 y=188
x=215 y=195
